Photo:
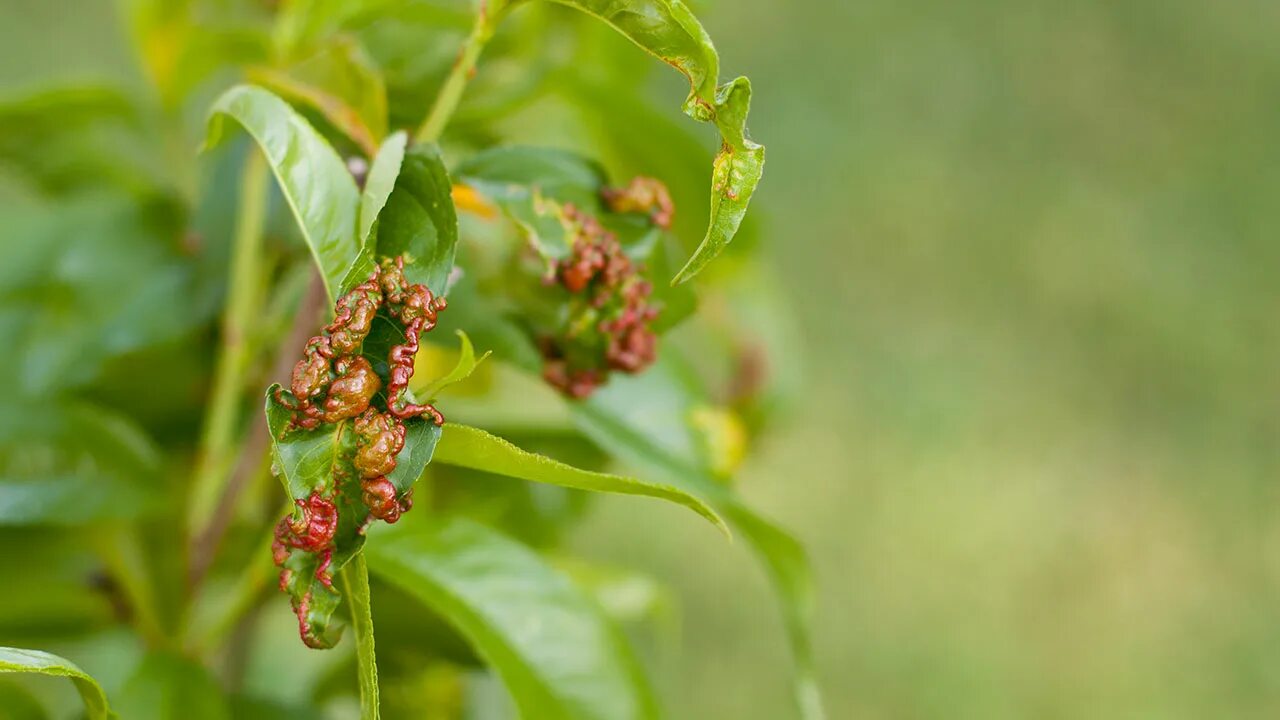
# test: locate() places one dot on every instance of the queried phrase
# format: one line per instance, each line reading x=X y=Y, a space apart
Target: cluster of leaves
x=149 y=493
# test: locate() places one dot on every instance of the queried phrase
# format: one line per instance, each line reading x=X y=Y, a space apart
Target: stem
x=464 y=67
x=244 y=300
x=244 y=595
x=355 y=588
x=254 y=450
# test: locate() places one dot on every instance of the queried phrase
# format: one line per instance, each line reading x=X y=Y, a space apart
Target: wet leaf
x=557 y=655
x=17 y=660
x=478 y=450
x=314 y=180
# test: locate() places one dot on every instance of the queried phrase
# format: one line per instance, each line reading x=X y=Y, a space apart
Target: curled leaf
x=314 y=180
x=18 y=660
x=669 y=30
x=467 y=364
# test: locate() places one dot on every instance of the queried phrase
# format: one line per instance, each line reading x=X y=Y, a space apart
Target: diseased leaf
x=668 y=30
x=645 y=421
x=467 y=364
x=478 y=450
x=168 y=686
x=531 y=184
x=314 y=180
x=418 y=220
x=355 y=588
x=309 y=461
x=18 y=660
x=71 y=464
x=557 y=655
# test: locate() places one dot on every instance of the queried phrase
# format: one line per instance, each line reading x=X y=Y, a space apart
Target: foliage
x=415 y=199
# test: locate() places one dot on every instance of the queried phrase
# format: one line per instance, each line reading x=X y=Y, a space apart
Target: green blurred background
x=1032 y=250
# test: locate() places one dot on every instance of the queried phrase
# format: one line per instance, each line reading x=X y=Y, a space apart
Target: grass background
x=1032 y=248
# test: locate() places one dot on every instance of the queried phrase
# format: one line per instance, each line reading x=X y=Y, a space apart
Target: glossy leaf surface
x=478 y=450
x=418 y=219
x=556 y=654
x=314 y=180
x=17 y=660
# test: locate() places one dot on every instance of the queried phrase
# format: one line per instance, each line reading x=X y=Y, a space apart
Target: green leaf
x=644 y=421
x=355 y=587
x=169 y=686
x=378 y=185
x=314 y=180
x=419 y=220
x=309 y=460
x=19 y=703
x=72 y=463
x=478 y=450
x=340 y=82
x=17 y=660
x=531 y=184
x=668 y=30
x=467 y=364
x=559 y=658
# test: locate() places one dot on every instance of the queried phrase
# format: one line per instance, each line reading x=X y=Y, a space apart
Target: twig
x=464 y=67
x=205 y=545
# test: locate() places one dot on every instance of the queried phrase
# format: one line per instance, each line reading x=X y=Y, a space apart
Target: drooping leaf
x=646 y=421
x=18 y=660
x=340 y=82
x=478 y=450
x=418 y=220
x=168 y=686
x=557 y=655
x=314 y=180
x=71 y=463
x=668 y=30
x=467 y=364
x=355 y=588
